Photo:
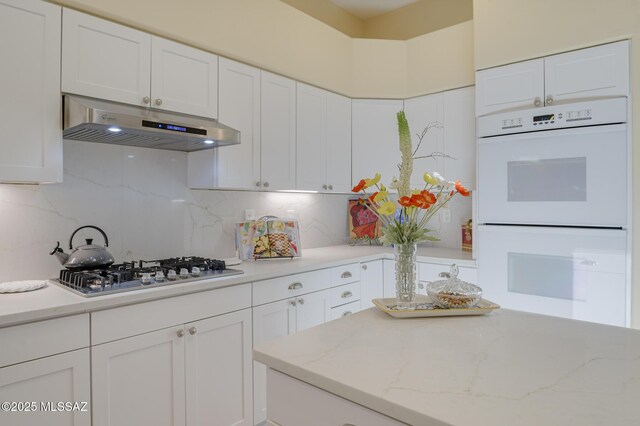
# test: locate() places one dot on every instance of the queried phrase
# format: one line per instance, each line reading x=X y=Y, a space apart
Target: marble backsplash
x=141 y=199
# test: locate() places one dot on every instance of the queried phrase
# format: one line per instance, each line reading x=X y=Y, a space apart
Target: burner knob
x=184 y=273
x=160 y=277
x=171 y=275
x=195 y=271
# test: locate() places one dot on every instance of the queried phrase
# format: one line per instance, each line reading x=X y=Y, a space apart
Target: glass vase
x=405 y=255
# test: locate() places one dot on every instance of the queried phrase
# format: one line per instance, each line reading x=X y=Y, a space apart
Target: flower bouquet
x=405 y=220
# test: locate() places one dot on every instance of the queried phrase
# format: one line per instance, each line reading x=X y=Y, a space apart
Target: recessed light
x=115 y=129
x=209 y=141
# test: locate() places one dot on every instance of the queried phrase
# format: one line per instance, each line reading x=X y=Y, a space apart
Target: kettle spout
x=59 y=254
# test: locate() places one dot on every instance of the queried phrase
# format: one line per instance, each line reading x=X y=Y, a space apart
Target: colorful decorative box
x=268 y=238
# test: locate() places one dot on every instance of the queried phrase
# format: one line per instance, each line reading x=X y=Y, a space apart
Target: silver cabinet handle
x=345 y=313
x=364 y=267
x=180 y=332
x=444 y=275
x=295 y=286
x=266 y=184
x=301 y=301
x=146 y=100
x=347 y=294
x=192 y=330
x=537 y=102
x=293 y=303
x=158 y=101
x=549 y=100
x=346 y=274
x=330 y=187
x=325 y=186
x=258 y=183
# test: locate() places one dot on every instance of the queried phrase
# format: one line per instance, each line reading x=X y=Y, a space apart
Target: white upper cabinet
x=234 y=166
x=422 y=113
x=104 y=60
x=460 y=136
x=278 y=132
x=514 y=86
x=183 y=79
x=601 y=71
x=375 y=139
x=323 y=140
x=30 y=109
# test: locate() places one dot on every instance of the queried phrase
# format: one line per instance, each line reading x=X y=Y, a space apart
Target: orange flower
x=461 y=189
x=360 y=186
x=404 y=201
x=371 y=198
x=429 y=197
x=424 y=199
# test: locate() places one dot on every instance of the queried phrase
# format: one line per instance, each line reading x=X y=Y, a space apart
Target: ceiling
x=365 y=9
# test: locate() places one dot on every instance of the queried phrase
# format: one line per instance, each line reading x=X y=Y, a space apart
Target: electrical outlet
x=445 y=215
x=249 y=214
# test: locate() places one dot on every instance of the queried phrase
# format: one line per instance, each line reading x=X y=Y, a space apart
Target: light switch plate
x=445 y=215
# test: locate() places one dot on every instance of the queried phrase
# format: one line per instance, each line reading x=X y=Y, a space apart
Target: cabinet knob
x=364 y=267
x=325 y=186
x=295 y=286
x=266 y=184
x=330 y=187
x=347 y=294
x=301 y=301
x=537 y=102
x=158 y=101
x=549 y=100
x=193 y=331
x=346 y=274
x=180 y=332
x=258 y=183
x=293 y=303
x=146 y=100
x=345 y=313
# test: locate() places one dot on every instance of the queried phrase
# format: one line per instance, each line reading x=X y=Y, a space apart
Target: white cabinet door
x=183 y=79
x=278 y=132
x=104 y=60
x=59 y=378
x=371 y=283
x=595 y=72
x=375 y=139
x=311 y=138
x=389 y=270
x=426 y=112
x=30 y=109
x=270 y=321
x=140 y=380
x=313 y=309
x=519 y=85
x=460 y=136
x=338 y=143
x=219 y=371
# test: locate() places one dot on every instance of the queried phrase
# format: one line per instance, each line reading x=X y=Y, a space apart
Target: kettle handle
x=106 y=240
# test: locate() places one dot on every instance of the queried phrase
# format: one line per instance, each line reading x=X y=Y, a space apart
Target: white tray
x=483 y=307
x=21 y=286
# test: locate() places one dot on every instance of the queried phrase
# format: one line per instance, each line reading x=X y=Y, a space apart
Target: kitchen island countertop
x=53 y=301
x=505 y=368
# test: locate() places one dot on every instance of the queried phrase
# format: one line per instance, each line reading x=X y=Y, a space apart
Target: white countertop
x=504 y=368
x=53 y=301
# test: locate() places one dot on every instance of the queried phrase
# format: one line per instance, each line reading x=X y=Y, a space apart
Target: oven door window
x=558 y=179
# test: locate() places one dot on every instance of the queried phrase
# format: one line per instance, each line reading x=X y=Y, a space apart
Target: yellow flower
x=430 y=179
x=381 y=195
x=371 y=182
x=395 y=183
x=387 y=208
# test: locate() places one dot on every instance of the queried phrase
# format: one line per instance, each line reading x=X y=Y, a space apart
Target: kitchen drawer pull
x=444 y=275
x=293 y=303
x=192 y=331
x=180 y=333
x=348 y=424
x=346 y=313
x=587 y=262
x=295 y=286
x=158 y=101
x=364 y=267
x=347 y=294
x=346 y=274
x=301 y=301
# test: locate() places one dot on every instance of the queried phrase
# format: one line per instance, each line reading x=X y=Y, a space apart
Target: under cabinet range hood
x=92 y=120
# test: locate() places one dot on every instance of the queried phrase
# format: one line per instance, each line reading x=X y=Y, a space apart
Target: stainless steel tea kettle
x=89 y=256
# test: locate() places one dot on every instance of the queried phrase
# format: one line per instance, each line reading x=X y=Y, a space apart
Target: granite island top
x=504 y=368
x=53 y=301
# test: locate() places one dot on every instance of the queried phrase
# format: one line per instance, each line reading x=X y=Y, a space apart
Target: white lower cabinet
x=294 y=403
x=279 y=319
x=45 y=382
x=371 y=282
x=389 y=273
x=429 y=272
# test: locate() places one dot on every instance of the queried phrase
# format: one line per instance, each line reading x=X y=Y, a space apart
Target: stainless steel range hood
x=92 y=120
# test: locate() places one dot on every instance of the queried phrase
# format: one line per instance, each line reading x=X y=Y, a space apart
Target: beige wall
x=418 y=18
x=512 y=30
x=379 y=69
x=331 y=14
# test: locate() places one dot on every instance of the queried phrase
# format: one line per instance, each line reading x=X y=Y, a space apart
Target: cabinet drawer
x=43 y=338
x=315 y=407
x=118 y=323
x=428 y=272
x=292 y=285
x=345 y=274
x=345 y=310
x=345 y=294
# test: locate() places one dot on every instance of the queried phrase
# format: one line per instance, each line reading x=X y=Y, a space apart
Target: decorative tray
x=425 y=308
